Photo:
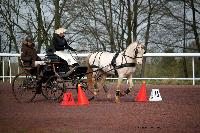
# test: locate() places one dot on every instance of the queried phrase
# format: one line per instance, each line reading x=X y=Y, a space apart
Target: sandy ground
x=178 y=112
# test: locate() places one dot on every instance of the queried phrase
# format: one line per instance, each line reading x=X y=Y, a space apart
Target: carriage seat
x=28 y=69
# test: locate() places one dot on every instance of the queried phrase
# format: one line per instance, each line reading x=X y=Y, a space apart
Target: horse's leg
x=130 y=85
x=97 y=78
x=95 y=84
x=117 y=94
x=91 y=81
x=102 y=83
x=90 y=75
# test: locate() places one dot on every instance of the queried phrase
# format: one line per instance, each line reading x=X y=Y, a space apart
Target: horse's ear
x=142 y=45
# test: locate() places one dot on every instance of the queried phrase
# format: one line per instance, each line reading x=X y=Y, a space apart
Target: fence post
x=10 y=71
x=3 y=69
x=193 y=71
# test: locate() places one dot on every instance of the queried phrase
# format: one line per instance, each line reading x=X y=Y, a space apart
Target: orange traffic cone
x=142 y=95
x=68 y=99
x=82 y=99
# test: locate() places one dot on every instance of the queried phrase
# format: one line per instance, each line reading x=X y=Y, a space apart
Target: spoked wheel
x=54 y=88
x=24 y=87
x=88 y=92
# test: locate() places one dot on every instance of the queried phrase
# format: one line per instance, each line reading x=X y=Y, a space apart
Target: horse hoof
x=108 y=96
x=117 y=100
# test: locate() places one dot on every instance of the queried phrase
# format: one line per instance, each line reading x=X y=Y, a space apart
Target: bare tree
x=129 y=22
x=194 y=25
x=150 y=11
x=135 y=19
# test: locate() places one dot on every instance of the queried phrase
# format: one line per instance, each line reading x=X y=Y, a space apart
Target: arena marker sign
x=155 y=95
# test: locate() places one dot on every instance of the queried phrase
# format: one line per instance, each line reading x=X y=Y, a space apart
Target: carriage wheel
x=88 y=92
x=54 y=88
x=24 y=87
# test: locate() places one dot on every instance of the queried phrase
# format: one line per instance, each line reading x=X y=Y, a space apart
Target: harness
x=113 y=62
x=95 y=66
x=115 y=67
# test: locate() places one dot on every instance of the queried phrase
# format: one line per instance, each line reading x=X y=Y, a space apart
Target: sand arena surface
x=179 y=112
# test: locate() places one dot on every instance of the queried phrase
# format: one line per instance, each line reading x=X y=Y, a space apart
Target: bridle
x=136 y=53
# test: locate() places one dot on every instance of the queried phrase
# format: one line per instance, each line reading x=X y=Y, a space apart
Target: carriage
x=99 y=66
x=54 y=81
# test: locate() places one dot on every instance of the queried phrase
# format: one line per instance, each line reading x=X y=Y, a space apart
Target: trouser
x=67 y=57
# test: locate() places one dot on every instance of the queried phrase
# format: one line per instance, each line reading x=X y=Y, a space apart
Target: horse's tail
x=89 y=72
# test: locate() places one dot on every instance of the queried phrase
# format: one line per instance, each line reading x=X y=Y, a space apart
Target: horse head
x=135 y=51
x=139 y=51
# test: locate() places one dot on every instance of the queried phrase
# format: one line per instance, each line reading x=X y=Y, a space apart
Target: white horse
x=122 y=64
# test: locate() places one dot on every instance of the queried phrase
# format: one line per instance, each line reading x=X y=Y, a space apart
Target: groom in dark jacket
x=29 y=53
x=29 y=56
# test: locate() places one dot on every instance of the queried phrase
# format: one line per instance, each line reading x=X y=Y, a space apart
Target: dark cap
x=29 y=39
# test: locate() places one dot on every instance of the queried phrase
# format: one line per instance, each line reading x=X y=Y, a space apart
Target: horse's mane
x=130 y=46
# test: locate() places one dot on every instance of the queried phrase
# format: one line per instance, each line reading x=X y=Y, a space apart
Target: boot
x=117 y=96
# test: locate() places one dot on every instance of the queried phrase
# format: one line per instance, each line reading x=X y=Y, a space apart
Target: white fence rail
x=192 y=55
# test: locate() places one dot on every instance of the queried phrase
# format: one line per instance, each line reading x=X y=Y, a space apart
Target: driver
x=59 y=43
